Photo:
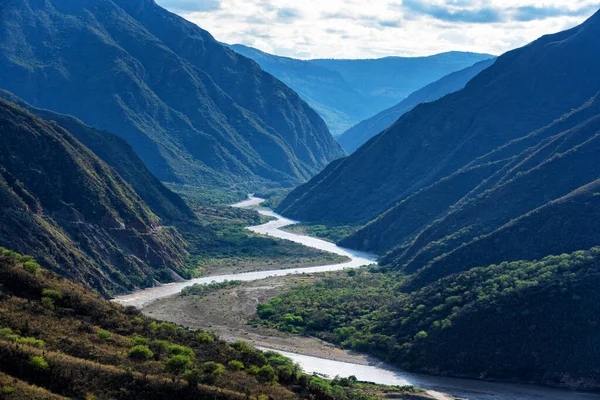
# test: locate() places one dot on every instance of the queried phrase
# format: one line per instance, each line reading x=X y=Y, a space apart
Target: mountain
x=325 y=90
x=61 y=203
x=356 y=136
x=115 y=151
x=345 y=92
x=194 y=111
x=525 y=90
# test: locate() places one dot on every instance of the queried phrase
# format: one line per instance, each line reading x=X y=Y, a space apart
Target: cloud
x=533 y=13
x=452 y=13
x=191 y=5
x=288 y=14
x=470 y=12
x=361 y=29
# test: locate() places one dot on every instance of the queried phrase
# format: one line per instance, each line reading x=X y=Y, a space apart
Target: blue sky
x=377 y=28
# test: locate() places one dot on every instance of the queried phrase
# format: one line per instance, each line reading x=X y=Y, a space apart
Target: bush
x=235 y=365
x=178 y=364
x=178 y=350
x=48 y=303
x=29 y=341
x=39 y=363
x=5 y=333
x=53 y=294
x=421 y=335
x=141 y=353
x=31 y=266
x=205 y=337
x=104 y=335
x=7 y=390
x=213 y=368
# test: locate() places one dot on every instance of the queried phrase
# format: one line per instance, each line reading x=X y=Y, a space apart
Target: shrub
x=48 y=303
x=5 y=332
x=178 y=350
x=141 y=353
x=7 y=390
x=55 y=295
x=29 y=341
x=31 y=266
x=205 y=337
x=212 y=368
x=104 y=335
x=235 y=365
x=178 y=364
x=39 y=363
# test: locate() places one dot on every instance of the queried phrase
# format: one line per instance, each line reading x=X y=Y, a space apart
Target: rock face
x=196 y=112
x=62 y=204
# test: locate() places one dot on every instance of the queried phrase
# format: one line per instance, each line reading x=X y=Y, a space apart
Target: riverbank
x=228 y=312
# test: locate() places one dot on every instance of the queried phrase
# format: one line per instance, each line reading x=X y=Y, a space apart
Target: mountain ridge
x=196 y=113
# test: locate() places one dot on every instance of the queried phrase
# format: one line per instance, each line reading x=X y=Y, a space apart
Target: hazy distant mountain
x=345 y=92
x=358 y=135
x=195 y=111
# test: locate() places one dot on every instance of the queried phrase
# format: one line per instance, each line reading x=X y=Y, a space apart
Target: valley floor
x=229 y=312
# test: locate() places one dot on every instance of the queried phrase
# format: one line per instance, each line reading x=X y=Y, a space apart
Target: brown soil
x=227 y=312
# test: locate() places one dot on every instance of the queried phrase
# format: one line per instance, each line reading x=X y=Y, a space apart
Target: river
x=379 y=372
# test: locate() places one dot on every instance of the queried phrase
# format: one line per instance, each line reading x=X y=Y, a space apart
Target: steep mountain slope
x=356 y=136
x=506 y=178
x=345 y=92
x=194 y=111
x=63 y=204
x=325 y=90
x=524 y=90
x=119 y=155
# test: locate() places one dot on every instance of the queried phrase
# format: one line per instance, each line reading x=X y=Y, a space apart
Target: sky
x=377 y=28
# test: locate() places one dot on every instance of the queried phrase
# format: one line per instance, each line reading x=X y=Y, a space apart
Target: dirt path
x=227 y=312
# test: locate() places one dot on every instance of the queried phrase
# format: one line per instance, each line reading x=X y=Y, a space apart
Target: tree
x=178 y=364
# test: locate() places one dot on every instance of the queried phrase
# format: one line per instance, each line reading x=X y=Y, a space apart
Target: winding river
x=379 y=372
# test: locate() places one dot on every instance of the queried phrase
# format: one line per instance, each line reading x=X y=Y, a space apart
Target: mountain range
x=524 y=91
x=345 y=92
x=360 y=133
x=195 y=112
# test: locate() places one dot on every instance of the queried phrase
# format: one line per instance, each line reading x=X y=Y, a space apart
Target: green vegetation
x=218 y=136
x=93 y=348
x=82 y=218
x=375 y=312
x=327 y=232
x=221 y=239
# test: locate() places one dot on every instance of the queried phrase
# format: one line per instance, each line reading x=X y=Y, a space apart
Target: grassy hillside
x=532 y=321
x=58 y=340
x=194 y=111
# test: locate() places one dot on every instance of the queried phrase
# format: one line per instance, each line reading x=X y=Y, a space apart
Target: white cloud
x=363 y=29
